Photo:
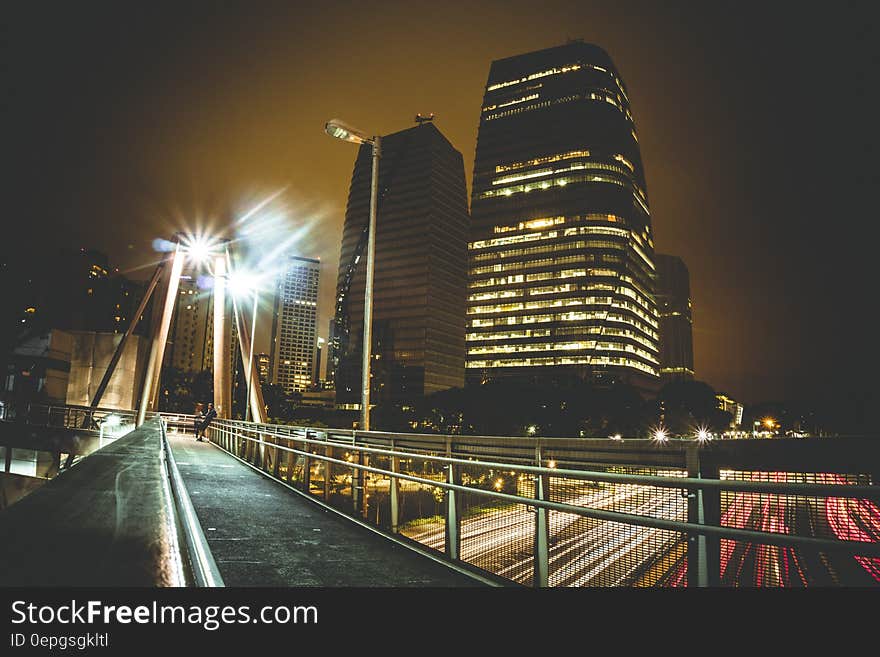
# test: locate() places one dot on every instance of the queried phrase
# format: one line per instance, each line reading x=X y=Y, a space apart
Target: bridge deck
x=263 y=534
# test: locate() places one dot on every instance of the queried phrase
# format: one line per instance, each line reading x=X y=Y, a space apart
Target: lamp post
x=339 y=130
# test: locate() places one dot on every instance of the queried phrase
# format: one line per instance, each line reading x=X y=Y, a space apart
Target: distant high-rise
x=420 y=271
x=192 y=322
x=263 y=367
x=561 y=251
x=294 y=329
x=191 y=339
x=676 y=322
x=726 y=403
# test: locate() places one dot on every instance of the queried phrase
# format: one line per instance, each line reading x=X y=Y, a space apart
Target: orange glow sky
x=130 y=123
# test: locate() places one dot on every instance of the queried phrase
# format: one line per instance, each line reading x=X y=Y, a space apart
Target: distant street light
x=339 y=130
x=199 y=247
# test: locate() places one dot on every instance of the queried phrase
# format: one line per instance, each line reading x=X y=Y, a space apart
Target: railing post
x=258 y=450
x=328 y=471
x=307 y=466
x=365 y=484
x=711 y=502
x=541 y=565
x=276 y=457
x=358 y=494
x=542 y=536
x=453 y=534
x=697 y=571
x=355 y=480
x=394 y=492
x=291 y=461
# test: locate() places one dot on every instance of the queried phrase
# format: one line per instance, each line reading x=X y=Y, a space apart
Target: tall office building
x=420 y=282
x=561 y=251
x=191 y=338
x=263 y=367
x=294 y=329
x=192 y=321
x=676 y=322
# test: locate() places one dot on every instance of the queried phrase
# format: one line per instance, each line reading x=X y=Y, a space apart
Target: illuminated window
x=535 y=76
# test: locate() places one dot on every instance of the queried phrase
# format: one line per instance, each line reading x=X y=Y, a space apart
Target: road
x=588 y=552
x=583 y=551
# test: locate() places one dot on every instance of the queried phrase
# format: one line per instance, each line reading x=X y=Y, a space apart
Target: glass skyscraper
x=295 y=324
x=676 y=321
x=420 y=279
x=561 y=254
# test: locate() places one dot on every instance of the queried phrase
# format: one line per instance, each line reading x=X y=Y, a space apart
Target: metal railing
x=69 y=416
x=557 y=512
x=88 y=429
x=203 y=571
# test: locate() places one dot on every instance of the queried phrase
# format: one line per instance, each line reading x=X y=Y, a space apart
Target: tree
x=686 y=406
x=180 y=391
x=280 y=405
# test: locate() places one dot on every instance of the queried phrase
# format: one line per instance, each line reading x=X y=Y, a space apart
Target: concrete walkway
x=263 y=534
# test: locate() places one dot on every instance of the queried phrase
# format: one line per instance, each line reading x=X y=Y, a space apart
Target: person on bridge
x=210 y=415
x=198 y=418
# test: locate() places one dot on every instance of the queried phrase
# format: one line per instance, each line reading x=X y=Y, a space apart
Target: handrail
x=771 y=538
x=204 y=568
x=792 y=488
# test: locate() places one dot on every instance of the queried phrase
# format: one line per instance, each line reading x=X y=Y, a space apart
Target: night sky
x=756 y=126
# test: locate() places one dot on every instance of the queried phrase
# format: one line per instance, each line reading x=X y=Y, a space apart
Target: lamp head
x=199 y=247
x=341 y=130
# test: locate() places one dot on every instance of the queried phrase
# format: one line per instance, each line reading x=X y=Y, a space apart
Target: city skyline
x=713 y=197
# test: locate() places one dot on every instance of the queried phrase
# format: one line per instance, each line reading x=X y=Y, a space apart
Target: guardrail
x=557 y=512
x=69 y=416
x=203 y=569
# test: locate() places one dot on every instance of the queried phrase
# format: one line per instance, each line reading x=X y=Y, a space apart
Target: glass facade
x=561 y=254
x=676 y=321
x=294 y=330
x=420 y=282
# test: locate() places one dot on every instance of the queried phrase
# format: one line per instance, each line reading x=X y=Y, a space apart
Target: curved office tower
x=561 y=267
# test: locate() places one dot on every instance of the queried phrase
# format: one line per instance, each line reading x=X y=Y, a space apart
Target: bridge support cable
x=135 y=320
x=252 y=373
x=150 y=393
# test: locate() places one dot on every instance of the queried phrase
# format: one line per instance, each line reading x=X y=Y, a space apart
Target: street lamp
x=339 y=130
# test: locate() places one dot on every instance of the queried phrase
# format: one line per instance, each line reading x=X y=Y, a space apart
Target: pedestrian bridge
x=265 y=505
